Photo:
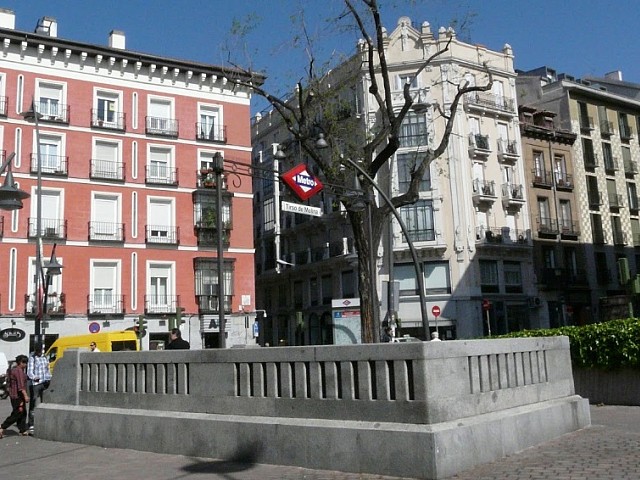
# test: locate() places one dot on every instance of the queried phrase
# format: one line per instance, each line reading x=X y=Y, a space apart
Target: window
x=596 y=229
x=313 y=291
x=160 y=220
x=437 y=278
x=418 y=219
x=590 y=159
x=602 y=269
x=615 y=200
x=586 y=123
x=52 y=158
x=405 y=275
x=635 y=232
x=160 y=164
x=210 y=124
x=413 y=132
x=619 y=237
x=405 y=78
x=406 y=163
x=107 y=110
x=538 y=166
x=489 y=276
x=349 y=284
x=545 y=213
x=629 y=165
x=549 y=257
x=206 y=278
x=105 y=218
x=566 y=224
x=606 y=127
x=632 y=196
x=593 y=192
x=160 y=119
x=623 y=125
x=104 y=290
x=50 y=103
x=560 y=169
x=52 y=223
x=106 y=160
x=160 y=298
x=327 y=289
x=298 y=301
x=512 y=277
x=607 y=155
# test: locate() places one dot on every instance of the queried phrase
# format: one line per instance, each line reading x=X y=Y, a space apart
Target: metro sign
x=304 y=184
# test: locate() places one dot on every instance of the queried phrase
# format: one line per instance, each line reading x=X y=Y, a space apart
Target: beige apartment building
x=471 y=226
x=603 y=114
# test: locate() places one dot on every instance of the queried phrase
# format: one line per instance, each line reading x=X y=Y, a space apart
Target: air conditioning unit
x=535 y=302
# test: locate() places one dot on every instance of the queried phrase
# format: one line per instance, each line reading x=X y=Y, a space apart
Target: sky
x=578 y=37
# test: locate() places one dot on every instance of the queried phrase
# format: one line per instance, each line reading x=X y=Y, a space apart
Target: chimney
x=47 y=26
x=615 y=75
x=117 y=39
x=7 y=18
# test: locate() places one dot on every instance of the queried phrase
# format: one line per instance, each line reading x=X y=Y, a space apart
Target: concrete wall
x=611 y=387
x=418 y=409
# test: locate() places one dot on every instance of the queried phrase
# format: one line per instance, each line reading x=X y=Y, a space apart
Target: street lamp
x=33 y=115
x=10 y=196
x=218 y=167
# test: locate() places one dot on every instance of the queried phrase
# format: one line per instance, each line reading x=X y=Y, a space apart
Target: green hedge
x=608 y=345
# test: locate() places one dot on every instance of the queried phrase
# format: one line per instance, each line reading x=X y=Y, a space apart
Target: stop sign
x=436 y=311
x=486 y=304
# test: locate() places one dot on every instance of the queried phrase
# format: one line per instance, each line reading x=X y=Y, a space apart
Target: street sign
x=94 y=327
x=304 y=184
x=436 y=311
x=302 y=209
x=486 y=305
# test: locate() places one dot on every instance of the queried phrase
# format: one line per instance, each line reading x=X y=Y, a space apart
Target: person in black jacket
x=177 y=342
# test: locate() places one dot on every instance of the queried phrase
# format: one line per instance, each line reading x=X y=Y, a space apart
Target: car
x=405 y=339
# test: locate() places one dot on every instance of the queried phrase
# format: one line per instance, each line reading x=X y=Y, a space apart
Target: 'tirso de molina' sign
x=304 y=184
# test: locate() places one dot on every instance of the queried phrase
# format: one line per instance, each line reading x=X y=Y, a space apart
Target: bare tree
x=319 y=106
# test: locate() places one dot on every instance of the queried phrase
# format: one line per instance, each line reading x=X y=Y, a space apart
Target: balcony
x=502 y=236
x=547 y=227
x=55 y=305
x=610 y=164
x=4 y=104
x=207 y=237
x=164 y=127
x=51 y=164
x=205 y=178
x=615 y=200
x=489 y=101
x=53 y=112
x=564 y=181
x=619 y=237
x=634 y=204
x=50 y=228
x=590 y=160
x=606 y=128
x=483 y=191
x=109 y=120
x=542 y=179
x=595 y=200
x=630 y=167
x=209 y=133
x=105 y=304
x=507 y=151
x=569 y=229
x=162 y=234
x=586 y=124
x=626 y=132
x=512 y=195
x=479 y=146
x=209 y=303
x=161 y=304
x=106 y=170
x=161 y=175
x=106 y=231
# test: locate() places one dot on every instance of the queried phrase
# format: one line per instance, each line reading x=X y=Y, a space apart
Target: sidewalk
x=606 y=451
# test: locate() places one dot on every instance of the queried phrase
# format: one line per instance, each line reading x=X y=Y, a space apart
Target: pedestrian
x=19 y=397
x=94 y=347
x=177 y=342
x=435 y=337
x=39 y=377
x=387 y=335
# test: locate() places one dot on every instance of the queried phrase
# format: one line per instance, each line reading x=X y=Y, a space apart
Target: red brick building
x=126 y=142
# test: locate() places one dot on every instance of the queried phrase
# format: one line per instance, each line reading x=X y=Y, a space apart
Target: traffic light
x=175 y=322
x=142 y=325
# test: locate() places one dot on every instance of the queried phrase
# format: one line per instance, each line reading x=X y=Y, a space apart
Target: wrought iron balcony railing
x=547 y=226
x=162 y=234
x=161 y=304
x=107 y=170
x=50 y=228
x=161 y=175
x=108 y=120
x=55 y=304
x=106 y=231
x=542 y=178
x=209 y=133
x=52 y=112
x=105 y=303
x=166 y=127
x=50 y=164
x=209 y=303
x=491 y=101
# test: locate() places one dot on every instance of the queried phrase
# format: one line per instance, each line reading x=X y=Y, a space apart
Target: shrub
x=609 y=345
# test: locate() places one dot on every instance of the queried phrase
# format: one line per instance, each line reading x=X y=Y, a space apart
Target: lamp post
x=33 y=115
x=218 y=167
x=10 y=196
